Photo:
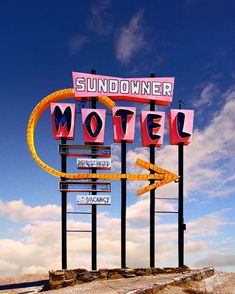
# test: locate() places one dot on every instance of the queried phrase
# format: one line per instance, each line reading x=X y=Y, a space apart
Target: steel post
x=123 y=205
x=93 y=209
x=181 y=225
x=64 y=211
x=152 y=199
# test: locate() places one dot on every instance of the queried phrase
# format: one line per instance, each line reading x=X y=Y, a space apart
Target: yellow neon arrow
x=130 y=177
x=167 y=176
x=162 y=176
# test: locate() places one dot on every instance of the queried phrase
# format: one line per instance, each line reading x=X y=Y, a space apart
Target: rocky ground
x=221 y=282
x=24 y=284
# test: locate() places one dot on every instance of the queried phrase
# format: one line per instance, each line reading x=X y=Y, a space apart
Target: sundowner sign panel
x=133 y=89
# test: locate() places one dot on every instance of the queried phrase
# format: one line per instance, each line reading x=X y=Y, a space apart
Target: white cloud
x=229 y=94
x=19 y=255
x=17 y=210
x=8 y=268
x=195 y=246
x=139 y=212
x=101 y=20
x=34 y=269
x=130 y=39
x=42 y=232
x=116 y=154
x=40 y=249
x=206 y=226
x=217 y=260
x=229 y=179
x=210 y=157
x=208 y=94
x=76 y=43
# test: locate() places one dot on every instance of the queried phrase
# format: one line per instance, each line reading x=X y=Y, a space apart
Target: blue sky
x=41 y=44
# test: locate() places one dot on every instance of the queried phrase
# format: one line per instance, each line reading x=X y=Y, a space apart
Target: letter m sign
x=63 y=120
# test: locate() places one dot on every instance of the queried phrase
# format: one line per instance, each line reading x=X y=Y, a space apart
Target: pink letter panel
x=152 y=128
x=180 y=126
x=124 y=123
x=93 y=124
x=63 y=120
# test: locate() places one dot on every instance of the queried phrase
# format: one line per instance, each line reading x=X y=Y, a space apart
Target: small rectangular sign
x=99 y=163
x=85 y=186
x=85 y=150
x=94 y=199
x=143 y=90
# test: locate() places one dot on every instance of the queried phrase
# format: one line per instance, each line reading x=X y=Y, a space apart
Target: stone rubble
x=63 y=278
x=196 y=275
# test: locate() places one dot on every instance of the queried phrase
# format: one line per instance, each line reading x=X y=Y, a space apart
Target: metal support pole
x=181 y=225
x=152 y=213
x=123 y=205
x=94 y=234
x=93 y=210
x=152 y=199
x=64 y=211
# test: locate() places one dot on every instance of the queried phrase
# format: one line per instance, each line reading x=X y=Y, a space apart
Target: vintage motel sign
x=145 y=90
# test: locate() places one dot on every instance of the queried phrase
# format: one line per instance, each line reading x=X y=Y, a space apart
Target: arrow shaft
x=131 y=177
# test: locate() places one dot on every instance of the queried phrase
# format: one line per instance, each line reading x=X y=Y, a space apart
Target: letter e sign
x=152 y=128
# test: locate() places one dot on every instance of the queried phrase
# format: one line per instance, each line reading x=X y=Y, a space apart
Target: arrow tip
x=167 y=176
